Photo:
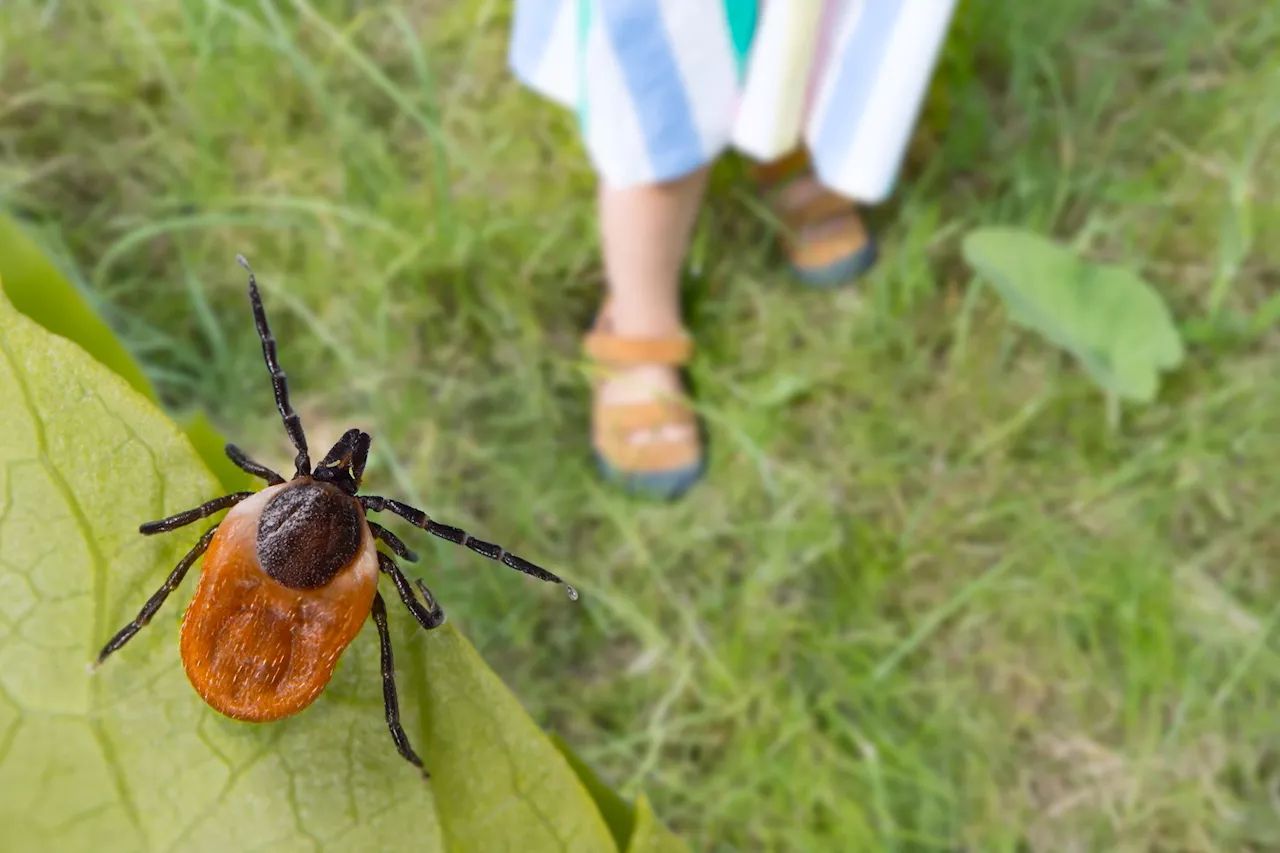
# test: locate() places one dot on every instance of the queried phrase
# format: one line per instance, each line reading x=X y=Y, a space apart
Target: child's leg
x=645 y=233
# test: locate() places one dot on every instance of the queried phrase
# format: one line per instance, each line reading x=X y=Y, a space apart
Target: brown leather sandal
x=826 y=242
x=660 y=468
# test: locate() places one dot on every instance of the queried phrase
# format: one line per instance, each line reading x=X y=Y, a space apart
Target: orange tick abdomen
x=255 y=649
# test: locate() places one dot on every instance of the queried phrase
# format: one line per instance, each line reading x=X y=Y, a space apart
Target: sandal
x=826 y=243
x=658 y=468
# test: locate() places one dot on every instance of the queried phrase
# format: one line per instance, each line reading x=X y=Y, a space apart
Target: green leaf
x=636 y=830
x=130 y=759
x=616 y=813
x=508 y=788
x=1105 y=315
x=211 y=446
x=650 y=836
x=37 y=289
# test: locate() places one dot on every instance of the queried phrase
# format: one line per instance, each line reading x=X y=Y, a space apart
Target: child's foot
x=644 y=433
x=827 y=243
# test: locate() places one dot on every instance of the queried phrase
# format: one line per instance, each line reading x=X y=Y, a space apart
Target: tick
x=290 y=575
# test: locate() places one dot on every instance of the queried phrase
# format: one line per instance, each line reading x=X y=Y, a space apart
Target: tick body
x=287 y=583
x=290 y=575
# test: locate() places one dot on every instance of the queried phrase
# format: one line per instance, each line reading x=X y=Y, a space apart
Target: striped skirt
x=663 y=87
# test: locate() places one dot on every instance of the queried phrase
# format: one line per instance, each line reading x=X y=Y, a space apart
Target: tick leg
x=244 y=463
x=279 y=383
x=458 y=536
x=182 y=519
x=428 y=617
x=393 y=542
x=155 y=601
x=389 y=687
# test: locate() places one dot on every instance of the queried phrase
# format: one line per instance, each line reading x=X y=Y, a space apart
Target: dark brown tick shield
x=290 y=575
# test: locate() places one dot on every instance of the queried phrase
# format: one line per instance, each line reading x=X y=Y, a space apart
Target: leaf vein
x=99 y=579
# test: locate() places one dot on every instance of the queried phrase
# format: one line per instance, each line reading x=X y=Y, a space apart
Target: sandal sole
x=663 y=485
x=840 y=273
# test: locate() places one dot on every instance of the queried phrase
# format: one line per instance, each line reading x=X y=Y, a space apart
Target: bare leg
x=645 y=234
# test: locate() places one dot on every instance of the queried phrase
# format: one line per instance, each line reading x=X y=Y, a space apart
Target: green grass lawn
x=926 y=600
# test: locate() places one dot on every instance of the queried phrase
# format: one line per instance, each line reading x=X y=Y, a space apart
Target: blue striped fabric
x=854 y=72
x=663 y=87
x=531 y=25
x=639 y=41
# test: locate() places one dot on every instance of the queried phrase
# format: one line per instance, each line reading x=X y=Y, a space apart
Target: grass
x=926 y=600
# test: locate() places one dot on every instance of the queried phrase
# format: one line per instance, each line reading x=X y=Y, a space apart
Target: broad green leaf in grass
x=509 y=787
x=650 y=836
x=147 y=472
x=211 y=446
x=37 y=289
x=129 y=758
x=636 y=829
x=616 y=813
x=1105 y=315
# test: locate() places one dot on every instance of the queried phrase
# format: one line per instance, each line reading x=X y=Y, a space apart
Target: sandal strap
x=822 y=207
x=651 y=457
x=610 y=349
x=809 y=251
x=636 y=417
x=616 y=423
x=781 y=170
